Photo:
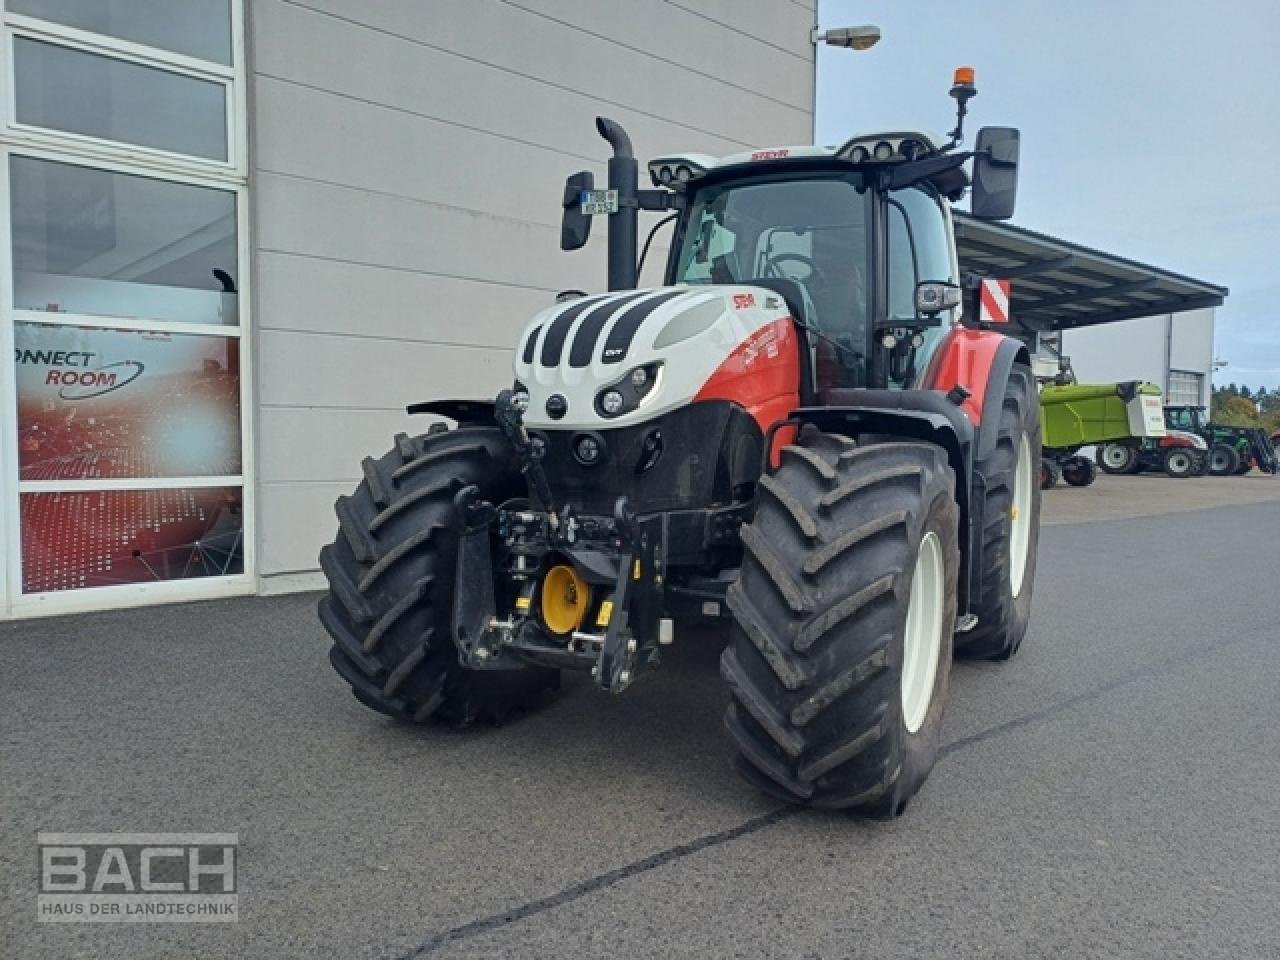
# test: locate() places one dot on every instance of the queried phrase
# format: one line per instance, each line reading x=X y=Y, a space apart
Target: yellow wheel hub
x=565 y=598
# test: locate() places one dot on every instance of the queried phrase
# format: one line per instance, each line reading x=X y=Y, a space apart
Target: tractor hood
x=617 y=359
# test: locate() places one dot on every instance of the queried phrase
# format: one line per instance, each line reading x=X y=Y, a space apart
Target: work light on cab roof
x=677 y=171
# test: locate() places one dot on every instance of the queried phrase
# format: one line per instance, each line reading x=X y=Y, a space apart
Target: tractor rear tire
x=1224 y=460
x=391 y=575
x=1009 y=539
x=1118 y=459
x=1050 y=473
x=1079 y=472
x=1179 y=462
x=848 y=584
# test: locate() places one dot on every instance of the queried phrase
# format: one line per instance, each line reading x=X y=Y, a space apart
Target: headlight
x=612 y=402
x=588 y=448
x=628 y=393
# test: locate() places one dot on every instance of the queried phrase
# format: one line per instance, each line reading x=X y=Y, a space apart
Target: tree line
x=1238 y=406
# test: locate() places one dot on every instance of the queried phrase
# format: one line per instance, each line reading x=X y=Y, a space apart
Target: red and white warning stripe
x=993 y=301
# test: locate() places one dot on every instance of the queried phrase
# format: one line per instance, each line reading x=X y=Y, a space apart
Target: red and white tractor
x=797 y=437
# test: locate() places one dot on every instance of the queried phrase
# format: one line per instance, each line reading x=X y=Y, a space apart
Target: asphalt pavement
x=1113 y=791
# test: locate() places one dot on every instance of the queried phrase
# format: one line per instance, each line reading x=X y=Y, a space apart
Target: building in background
x=1173 y=350
x=246 y=234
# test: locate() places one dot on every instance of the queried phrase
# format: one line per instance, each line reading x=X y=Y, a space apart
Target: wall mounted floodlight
x=855 y=38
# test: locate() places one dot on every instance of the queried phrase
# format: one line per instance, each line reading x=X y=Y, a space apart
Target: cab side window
x=919 y=251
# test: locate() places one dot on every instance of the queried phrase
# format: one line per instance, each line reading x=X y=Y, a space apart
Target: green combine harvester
x=1077 y=415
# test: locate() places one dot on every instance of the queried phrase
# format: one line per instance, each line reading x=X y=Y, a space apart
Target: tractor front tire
x=1011 y=526
x=1224 y=460
x=1180 y=462
x=1079 y=472
x=391 y=575
x=1119 y=458
x=840 y=654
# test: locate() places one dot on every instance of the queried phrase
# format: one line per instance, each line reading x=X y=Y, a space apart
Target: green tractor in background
x=1233 y=451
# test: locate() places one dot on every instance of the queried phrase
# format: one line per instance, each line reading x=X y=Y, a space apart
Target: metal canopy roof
x=1058 y=285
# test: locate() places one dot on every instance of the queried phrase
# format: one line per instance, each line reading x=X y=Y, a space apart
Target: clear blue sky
x=1150 y=128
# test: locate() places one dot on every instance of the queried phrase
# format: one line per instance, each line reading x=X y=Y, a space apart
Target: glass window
x=113 y=244
x=104 y=538
x=65 y=89
x=1185 y=388
x=98 y=403
x=918 y=249
x=197 y=28
x=918 y=252
x=811 y=231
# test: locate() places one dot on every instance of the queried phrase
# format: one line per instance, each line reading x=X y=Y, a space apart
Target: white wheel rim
x=1020 y=517
x=1115 y=456
x=922 y=643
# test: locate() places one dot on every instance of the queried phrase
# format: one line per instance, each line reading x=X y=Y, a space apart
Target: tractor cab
x=848 y=258
x=856 y=238
x=1191 y=419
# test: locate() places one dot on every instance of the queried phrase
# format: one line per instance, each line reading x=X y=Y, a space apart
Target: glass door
x=125 y=433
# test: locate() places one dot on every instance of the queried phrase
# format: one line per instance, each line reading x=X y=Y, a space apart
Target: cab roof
x=678 y=169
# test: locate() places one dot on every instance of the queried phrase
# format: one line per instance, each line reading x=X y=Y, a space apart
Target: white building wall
x=1144 y=349
x=1191 y=347
x=407 y=166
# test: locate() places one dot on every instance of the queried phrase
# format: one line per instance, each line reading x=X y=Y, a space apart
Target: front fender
x=926 y=416
x=472 y=412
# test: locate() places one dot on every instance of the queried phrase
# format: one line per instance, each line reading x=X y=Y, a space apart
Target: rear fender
x=980 y=361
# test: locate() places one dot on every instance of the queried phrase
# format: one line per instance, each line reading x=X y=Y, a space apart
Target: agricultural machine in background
x=1077 y=415
x=795 y=438
x=1179 y=454
x=1233 y=451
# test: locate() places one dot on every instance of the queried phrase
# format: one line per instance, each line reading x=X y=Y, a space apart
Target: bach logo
x=137 y=877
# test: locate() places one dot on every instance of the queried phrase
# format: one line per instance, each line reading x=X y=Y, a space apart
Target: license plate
x=598 y=201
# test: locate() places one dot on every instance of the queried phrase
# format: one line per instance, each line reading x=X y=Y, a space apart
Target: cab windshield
x=811 y=231
x=816 y=231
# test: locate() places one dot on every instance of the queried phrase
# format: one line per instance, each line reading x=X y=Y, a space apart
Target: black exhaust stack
x=623 y=225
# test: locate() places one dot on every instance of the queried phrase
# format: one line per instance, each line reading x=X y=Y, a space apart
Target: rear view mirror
x=995 y=173
x=575 y=226
x=934 y=297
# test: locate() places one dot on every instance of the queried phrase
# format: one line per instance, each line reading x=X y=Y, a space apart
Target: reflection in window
x=96 y=96
x=112 y=244
x=96 y=403
x=103 y=538
x=918 y=252
x=197 y=28
x=812 y=232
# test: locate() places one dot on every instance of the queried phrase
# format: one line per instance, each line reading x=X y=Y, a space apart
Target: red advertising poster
x=96 y=403
x=103 y=538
